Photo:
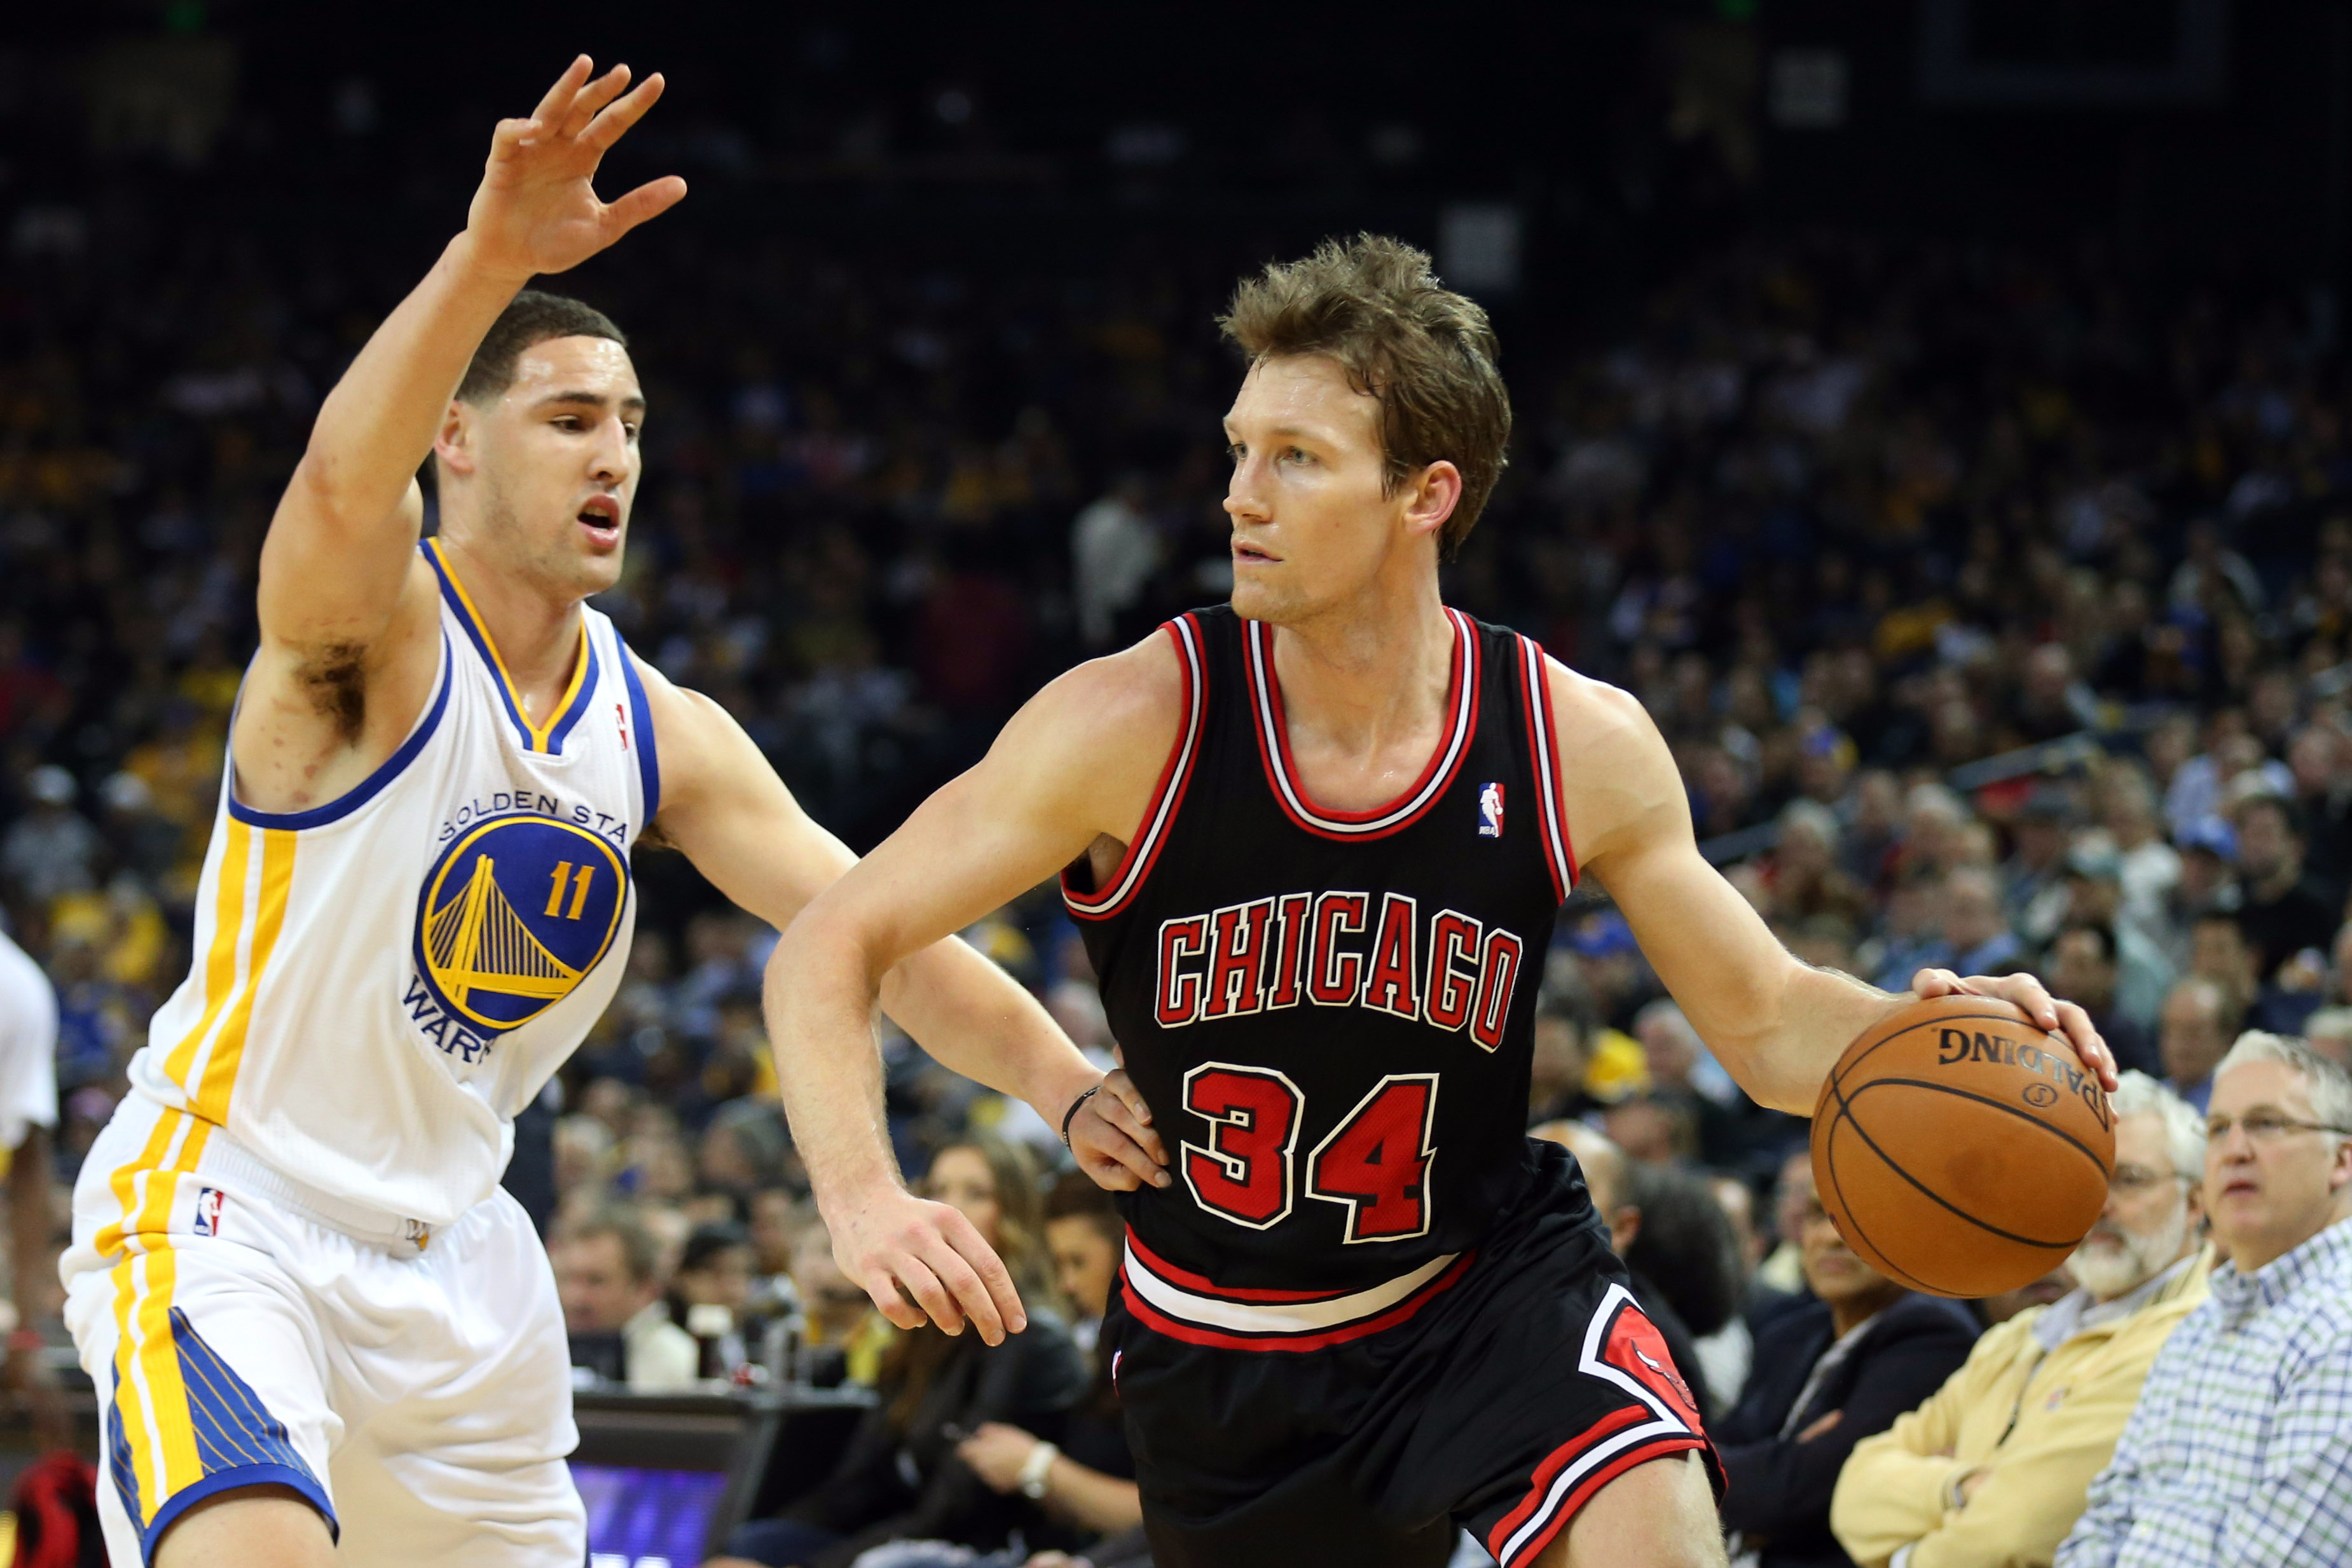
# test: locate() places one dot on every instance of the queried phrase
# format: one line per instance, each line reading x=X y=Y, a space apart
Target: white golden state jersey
x=382 y=981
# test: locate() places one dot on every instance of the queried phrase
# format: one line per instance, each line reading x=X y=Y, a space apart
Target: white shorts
x=419 y=1395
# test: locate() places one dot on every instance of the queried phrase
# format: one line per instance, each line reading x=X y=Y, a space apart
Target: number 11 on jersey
x=578 y=877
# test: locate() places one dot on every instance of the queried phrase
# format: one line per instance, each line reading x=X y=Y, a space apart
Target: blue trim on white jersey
x=456 y=599
x=648 y=761
x=367 y=789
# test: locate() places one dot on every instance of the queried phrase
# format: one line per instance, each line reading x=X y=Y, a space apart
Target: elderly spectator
x=2239 y=1454
x=2200 y=1016
x=1829 y=1372
x=608 y=1272
x=1992 y=1469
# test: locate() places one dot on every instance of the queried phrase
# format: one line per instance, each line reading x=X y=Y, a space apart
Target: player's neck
x=1372 y=669
x=537 y=635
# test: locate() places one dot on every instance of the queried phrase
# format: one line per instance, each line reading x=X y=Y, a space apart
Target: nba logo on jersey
x=208 y=1211
x=1490 y=811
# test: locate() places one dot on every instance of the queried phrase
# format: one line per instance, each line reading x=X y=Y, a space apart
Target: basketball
x=1960 y=1149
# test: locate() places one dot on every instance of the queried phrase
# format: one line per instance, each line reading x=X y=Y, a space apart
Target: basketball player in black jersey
x=1315 y=842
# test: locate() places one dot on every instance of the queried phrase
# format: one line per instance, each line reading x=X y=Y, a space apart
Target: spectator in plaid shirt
x=2239 y=1454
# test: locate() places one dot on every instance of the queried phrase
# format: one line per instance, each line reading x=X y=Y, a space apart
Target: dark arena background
x=1934 y=411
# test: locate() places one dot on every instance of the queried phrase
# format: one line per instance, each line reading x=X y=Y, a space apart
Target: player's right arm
x=347 y=610
x=1075 y=765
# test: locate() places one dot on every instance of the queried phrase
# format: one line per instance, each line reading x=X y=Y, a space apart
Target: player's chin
x=1258 y=596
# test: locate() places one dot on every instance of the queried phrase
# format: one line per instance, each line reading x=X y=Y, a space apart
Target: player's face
x=1312 y=524
x=557 y=462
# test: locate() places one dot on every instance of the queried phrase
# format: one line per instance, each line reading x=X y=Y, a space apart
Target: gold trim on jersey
x=537 y=737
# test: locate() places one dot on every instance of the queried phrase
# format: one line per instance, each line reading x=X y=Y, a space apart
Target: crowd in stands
x=1998 y=609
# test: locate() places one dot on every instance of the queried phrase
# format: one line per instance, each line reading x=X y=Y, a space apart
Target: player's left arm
x=725 y=809
x=1777 y=1025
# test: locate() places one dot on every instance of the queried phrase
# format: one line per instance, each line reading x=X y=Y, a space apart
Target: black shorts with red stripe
x=1498 y=1391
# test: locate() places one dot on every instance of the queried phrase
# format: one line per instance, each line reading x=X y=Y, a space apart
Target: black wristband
x=1069 y=1115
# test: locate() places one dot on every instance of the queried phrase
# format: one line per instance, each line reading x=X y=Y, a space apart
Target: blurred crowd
x=1996 y=606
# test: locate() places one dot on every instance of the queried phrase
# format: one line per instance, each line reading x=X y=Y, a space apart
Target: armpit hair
x=334 y=678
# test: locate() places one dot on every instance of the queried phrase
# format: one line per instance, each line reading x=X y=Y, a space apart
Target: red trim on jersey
x=1543 y=749
x=1201 y=1285
x=1135 y=865
x=1568 y=1507
x=1282 y=772
x=1220 y=1339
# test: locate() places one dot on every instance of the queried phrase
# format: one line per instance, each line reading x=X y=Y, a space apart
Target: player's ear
x=1624 y=1227
x=1431 y=494
x=454 y=442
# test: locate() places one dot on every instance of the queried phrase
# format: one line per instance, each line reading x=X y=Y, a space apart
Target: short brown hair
x=640 y=1252
x=531 y=318
x=1428 y=354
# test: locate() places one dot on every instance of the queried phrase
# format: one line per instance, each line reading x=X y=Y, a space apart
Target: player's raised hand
x=1114 y=1140
x=923 y=1261
x=2060 y=1017
x=537 y=210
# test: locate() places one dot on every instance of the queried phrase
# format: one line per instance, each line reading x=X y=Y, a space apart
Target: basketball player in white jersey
x=312 y=1314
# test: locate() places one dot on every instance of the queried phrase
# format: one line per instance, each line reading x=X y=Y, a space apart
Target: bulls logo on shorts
x=1634 y=1346
x=514 y=914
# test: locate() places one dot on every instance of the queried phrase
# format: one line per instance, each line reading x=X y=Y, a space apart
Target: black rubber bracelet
x=1071 y=1114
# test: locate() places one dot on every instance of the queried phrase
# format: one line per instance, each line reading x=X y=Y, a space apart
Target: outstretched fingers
x=649 y=200
x=558 y=102
x=595 y=97
x=613 y=122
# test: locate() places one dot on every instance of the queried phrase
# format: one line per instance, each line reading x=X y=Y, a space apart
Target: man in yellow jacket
x=1992 y=1472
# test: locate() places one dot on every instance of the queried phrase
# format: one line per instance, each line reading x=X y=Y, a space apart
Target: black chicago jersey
x=1369 y=1310
x=1331 y=1012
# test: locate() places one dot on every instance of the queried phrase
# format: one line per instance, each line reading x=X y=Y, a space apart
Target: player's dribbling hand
x=1114 y=1140
x=924 y=1262
x=537 y=209
x=2029 y=993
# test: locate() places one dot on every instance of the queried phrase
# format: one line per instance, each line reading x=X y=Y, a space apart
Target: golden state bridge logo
x=513 y=915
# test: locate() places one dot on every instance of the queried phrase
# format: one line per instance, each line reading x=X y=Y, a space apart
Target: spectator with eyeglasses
x=2240 y=1452
x=1992 y=1469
